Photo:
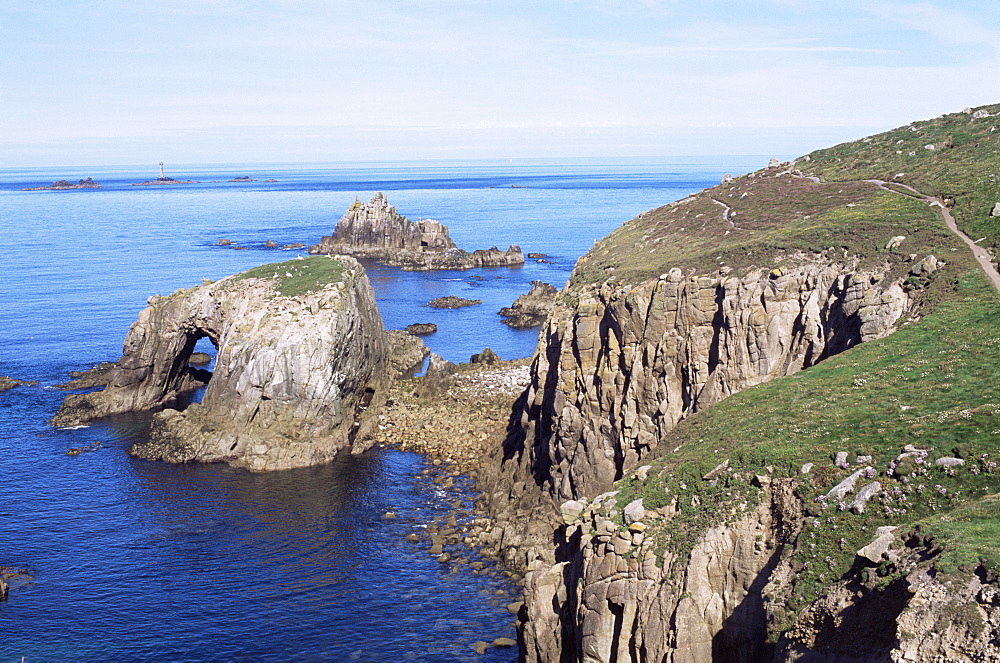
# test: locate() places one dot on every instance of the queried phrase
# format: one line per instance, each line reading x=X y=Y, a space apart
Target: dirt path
x=983 y=257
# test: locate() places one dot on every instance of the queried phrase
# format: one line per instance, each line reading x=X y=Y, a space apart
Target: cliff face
x=612 y=598
x=617 y=371
x=376 y=231
x=293 y=377
x=773 y=554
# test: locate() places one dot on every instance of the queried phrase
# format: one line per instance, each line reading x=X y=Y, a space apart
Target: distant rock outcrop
x=421 y=328
x=374 y=230
x=531 y=309
x=63 y=185
x=301 y=355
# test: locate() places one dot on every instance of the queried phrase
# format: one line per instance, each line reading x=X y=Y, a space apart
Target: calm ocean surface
x=135 y=560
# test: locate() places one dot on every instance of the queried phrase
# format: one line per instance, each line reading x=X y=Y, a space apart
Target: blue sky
x=89 y=83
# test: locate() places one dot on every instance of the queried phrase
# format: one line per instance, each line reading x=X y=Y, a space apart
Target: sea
x=132 y=560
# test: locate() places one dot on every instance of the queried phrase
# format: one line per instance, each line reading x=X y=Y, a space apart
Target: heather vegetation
x=955 y=157
x=766 y=220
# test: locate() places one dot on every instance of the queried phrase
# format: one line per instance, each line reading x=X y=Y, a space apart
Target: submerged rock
x=374 y=230
x=301 y=356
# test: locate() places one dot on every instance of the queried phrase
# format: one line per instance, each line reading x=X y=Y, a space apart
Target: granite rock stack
x=376 y=231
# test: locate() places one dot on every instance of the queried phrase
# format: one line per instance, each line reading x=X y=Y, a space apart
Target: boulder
x=884 y=538
x=200 y=359
x=571 y=510
x=487 y=357
x=634 y=512
x=865 y=494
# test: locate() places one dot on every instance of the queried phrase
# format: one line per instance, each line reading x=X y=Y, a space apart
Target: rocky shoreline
x=456 y=417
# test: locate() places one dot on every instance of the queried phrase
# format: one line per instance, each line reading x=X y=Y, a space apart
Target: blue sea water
x=137 y=560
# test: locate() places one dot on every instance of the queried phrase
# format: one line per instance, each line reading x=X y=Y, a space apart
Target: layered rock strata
x=294 y=374
x=376 y=231
x=622 y=367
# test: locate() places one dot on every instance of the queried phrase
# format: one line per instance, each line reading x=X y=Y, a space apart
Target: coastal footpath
x=376 y=231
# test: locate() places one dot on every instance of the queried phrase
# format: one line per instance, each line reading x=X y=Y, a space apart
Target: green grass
x=963 y=166
x=777 y=221
x=294 y=278
x=934 y=384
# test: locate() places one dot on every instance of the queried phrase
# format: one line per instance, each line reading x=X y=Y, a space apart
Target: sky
x=239 y=81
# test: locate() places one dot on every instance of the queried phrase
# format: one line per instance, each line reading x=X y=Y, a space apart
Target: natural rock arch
x=294 y=375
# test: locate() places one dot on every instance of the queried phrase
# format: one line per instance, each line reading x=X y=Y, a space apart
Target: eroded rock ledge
x=375 y=231
x=301 y=355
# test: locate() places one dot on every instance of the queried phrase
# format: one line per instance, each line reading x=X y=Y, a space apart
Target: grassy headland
x=933 y=384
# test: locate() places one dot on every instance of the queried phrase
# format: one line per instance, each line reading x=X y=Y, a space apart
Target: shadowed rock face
x=374 y=230
x=293 y=379
x=620 y=369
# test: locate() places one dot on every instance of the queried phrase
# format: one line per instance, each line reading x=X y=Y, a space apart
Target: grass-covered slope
x=955 y=156
x=764 y=220
x=933 y=384
x=296 y=277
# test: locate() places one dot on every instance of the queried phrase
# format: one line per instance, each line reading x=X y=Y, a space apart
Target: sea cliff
x=758 y=424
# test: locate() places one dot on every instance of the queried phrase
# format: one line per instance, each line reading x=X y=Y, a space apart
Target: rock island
x=376 y=231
